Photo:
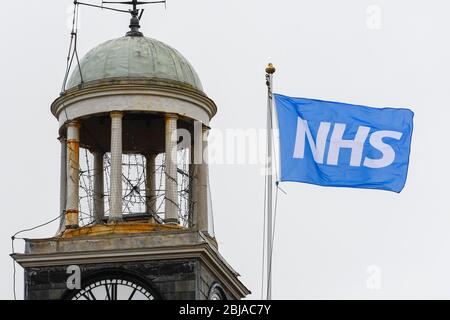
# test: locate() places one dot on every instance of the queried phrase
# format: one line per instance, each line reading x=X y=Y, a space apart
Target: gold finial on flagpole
x=270 y=69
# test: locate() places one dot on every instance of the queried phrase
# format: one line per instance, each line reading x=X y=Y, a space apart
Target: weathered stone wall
x=185 y=279
x=206 y=281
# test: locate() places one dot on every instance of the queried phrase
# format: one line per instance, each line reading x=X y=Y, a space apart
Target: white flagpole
x=270 y=70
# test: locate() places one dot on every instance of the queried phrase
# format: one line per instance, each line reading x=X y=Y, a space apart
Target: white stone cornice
x=139 y=95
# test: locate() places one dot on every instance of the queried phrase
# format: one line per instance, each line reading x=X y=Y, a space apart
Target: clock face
x=113 y=289
x=216 y=296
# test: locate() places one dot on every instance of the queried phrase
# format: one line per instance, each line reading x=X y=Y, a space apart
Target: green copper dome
x=135 y=57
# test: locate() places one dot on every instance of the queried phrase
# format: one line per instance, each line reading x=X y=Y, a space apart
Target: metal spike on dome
x=134 y=22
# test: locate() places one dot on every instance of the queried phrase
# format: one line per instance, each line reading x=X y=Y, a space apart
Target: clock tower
x=136 y=214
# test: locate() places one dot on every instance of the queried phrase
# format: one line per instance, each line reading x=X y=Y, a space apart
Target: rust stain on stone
x=118 y=228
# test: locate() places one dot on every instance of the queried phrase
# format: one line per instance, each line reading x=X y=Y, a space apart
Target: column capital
x=73 y=123
x=116 y=114
x=171 y=116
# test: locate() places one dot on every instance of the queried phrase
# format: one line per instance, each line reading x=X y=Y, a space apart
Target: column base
x=71 y=217
x=115 y=220
x=172 y=221
x=100 y=221
x=72 y=227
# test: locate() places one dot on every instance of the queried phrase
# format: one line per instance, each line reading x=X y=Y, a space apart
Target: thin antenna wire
x=76 y=45
x=14 y=237
x=73 y=48
x=69 y=54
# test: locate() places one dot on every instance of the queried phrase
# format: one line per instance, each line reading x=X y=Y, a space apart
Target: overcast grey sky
x=330 y=242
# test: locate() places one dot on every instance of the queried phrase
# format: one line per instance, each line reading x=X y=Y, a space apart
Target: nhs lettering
x=343 y=145
x=337 y=143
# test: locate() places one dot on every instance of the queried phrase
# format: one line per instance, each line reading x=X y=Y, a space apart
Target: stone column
x=150 y=183
x=63 y=184
x=99 y=204
x=115 y=198
x=193 y=181
x=171 y=198
x=202 y=184
x=196 y=154
x=73 y=177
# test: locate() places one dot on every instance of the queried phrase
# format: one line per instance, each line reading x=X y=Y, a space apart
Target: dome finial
x=134 y=22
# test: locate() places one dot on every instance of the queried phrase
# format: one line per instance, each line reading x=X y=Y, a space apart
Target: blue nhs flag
x=343 y=145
